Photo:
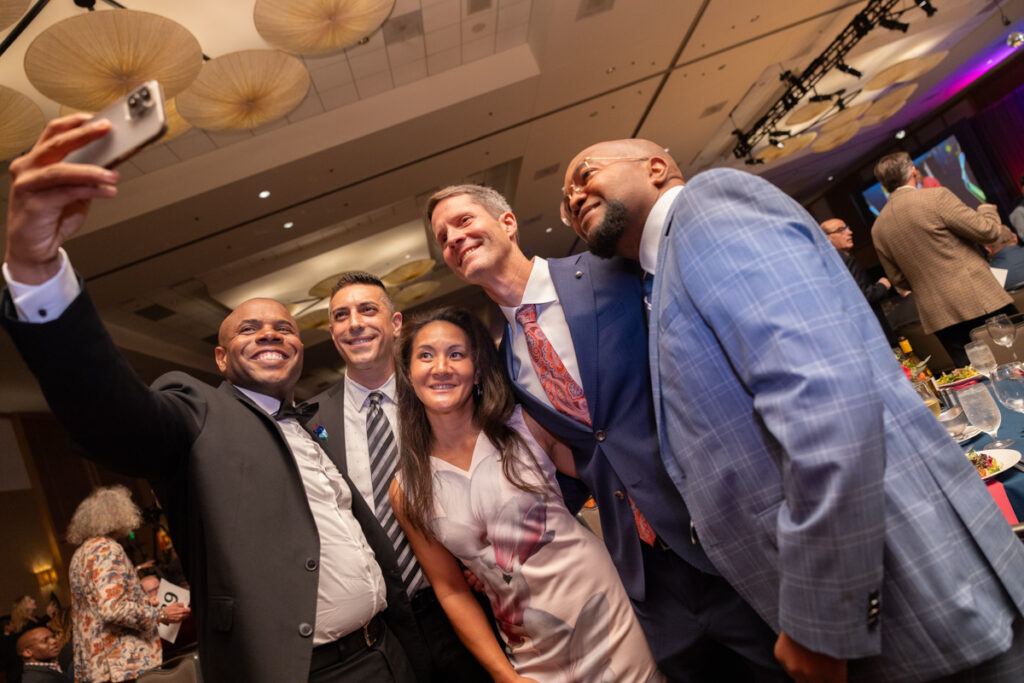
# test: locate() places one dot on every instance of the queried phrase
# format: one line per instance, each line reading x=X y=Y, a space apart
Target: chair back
x=1001 y=353
x=181 y=669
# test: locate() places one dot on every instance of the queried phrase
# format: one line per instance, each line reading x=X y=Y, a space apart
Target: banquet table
x=1007 y=487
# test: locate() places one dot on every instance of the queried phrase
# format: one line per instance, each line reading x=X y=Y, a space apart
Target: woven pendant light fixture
x=11 y=11
x=836 y=136
x=21 y=122
x=808 y=112
x=315 y=27
x=840 y=120
x=907 y=70
x=244 y=89
x=408 y=272
x=791 y=146
x=91 y=59
x=887 y=105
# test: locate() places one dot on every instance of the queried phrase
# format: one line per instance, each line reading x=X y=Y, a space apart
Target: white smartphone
x=136 y=120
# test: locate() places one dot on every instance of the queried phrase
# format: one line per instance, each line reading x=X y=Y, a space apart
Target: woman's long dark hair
x=493 y=406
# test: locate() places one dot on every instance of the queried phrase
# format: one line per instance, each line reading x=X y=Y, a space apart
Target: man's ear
x=396 y=320
x=220 y=355
x=509 y=224
x=658 y=170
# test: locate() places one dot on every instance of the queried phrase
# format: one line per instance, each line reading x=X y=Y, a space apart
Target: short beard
x=606 y=235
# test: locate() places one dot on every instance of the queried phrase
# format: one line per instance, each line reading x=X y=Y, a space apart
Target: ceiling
x=502 y=92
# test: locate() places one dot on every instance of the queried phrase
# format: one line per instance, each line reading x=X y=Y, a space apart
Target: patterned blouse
x=114 y=623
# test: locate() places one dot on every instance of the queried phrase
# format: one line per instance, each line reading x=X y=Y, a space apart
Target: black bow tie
x=303 y=412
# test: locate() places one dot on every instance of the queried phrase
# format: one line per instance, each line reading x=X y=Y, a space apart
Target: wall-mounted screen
x=945 y=165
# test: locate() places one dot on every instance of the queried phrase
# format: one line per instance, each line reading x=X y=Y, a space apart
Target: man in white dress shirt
x=289 y=570
x=365 y=327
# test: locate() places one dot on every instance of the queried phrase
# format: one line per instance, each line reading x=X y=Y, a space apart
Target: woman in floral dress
x=114 y=623
x=476 y=484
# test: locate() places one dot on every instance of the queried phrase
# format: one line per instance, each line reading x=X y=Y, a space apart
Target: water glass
x=983 y=412
x=954 y=420
x=981 y=357
x=1008 y=383
x=1003 y=331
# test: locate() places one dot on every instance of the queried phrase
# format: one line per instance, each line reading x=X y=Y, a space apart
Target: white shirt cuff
x=44 y=302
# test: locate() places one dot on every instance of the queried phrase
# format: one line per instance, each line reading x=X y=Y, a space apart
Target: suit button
x=311 y=564
x=620 y=495
x=600 y=435
x=305 y=630
x=578 y=274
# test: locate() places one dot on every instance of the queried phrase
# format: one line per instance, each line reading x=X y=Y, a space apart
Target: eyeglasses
x=832 y=232
x=581 y=177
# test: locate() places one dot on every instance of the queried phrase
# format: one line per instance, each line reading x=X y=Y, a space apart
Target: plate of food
x=991 y=462
x=960 y=377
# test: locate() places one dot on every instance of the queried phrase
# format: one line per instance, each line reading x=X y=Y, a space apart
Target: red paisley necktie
x=563 y=391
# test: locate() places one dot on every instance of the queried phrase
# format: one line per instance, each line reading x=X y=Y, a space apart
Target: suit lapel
x=576 y=294
x=331 y=416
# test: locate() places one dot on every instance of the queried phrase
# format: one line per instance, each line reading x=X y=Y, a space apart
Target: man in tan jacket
x=925 y=239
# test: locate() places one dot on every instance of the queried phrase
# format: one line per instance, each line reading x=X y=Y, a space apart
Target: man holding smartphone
x=290 y=570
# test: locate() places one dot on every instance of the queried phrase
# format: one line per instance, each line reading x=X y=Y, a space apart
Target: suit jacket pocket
x=221 y=612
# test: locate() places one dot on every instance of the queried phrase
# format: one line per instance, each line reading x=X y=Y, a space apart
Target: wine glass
x=983 y=412
x=981 y=357
x=1008 y=383
x=1002 y=330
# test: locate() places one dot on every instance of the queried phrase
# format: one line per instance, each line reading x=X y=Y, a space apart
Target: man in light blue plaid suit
x=819 y=484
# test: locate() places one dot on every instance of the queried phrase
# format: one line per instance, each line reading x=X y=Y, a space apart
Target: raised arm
x=50 y=199
x=455 y=596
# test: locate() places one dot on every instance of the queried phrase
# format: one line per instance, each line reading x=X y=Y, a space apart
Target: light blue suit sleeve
x=762 y=364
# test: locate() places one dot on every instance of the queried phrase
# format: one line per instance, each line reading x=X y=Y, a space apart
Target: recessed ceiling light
x=288 y=225
x=408 y=256
x=831 y=178
x=548 y=229
x=900 y=134
x=263 y=194
x=610 y=70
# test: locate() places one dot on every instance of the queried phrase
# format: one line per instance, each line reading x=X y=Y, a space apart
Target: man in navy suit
x=821 y=486
x=591 y=311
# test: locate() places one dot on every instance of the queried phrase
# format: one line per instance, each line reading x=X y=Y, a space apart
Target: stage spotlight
x=1015 y=39
x=928 y=8
x=846 y=68
x=776 y=143
x=900 y=134
x=893 y=25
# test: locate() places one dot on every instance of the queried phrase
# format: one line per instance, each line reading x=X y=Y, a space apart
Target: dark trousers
x=955 y=337
x=382 y=662
x=449 y=659
x=699 y=628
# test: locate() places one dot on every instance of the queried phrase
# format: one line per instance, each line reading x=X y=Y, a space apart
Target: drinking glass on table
x=1003 y=331
x=983 y=412
x=1008 y=383
x=981 y=357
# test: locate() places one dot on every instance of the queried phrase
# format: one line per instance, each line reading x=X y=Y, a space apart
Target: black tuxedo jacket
x=232 y=492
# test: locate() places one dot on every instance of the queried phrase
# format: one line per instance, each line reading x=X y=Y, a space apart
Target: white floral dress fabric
x=557 y=598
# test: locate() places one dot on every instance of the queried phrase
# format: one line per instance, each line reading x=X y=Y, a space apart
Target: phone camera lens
x=144 y=94
x=133 y=101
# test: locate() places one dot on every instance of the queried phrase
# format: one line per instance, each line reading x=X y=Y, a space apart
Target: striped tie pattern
x=383 y=460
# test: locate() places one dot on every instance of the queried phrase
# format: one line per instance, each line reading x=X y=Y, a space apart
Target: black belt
x=348 y=645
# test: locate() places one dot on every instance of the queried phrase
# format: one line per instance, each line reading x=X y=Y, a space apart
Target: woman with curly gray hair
x=114 y=624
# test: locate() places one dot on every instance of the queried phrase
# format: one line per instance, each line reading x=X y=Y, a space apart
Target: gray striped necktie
x=383 y=460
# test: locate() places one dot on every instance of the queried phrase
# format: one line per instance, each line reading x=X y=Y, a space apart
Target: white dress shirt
x=351 y=587
x=654 y=228
x=357 y=450
x=540 y=291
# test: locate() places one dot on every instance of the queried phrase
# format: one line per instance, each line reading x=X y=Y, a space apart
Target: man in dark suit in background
x=841 y=236
x=38 y=650
x=590 y=314
x=289 y=568
x=364 y=327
